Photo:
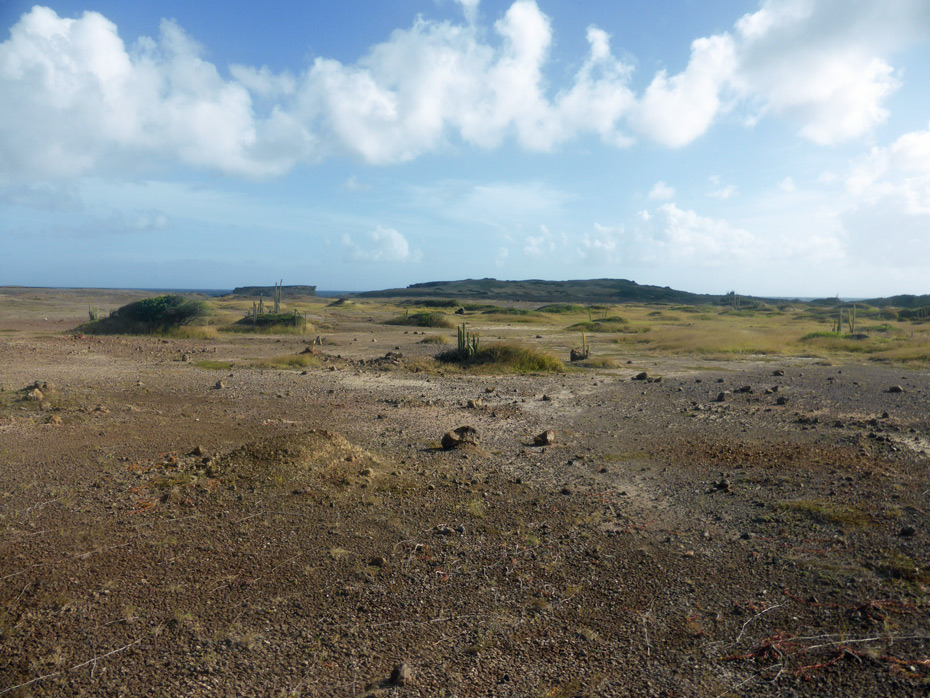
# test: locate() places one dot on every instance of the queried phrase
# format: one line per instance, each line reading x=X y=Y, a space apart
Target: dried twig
x=762 y=612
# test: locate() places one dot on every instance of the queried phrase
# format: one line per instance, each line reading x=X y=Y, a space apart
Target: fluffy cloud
x=381 y=245
x=661 y=191
x=670 y=235
x=898 y=173
x=890 y=214
x=77 y=100
x=823 y=63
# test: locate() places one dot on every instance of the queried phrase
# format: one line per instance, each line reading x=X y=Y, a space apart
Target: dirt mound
x=316 y=453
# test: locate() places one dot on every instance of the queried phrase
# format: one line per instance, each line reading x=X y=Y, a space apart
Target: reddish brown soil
x=300 y=533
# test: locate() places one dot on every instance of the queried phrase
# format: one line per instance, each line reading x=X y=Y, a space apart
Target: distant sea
x=204 y=291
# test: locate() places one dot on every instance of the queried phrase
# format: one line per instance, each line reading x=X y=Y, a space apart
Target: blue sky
x=779 y=147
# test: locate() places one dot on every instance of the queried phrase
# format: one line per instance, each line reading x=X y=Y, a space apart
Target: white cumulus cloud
x=78 y=100
x=380 y=245
x=661 y=191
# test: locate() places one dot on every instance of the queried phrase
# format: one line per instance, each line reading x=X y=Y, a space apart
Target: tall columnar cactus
x=261 y=304
x=277 y=296
x=468 y=343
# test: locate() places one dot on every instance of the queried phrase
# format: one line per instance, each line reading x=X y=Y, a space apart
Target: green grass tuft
x=607 y=324
x=508 y=358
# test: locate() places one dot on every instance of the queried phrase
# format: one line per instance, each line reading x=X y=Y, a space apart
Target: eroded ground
x=300 y=533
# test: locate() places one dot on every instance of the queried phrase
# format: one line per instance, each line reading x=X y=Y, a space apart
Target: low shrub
x=156 y=315
x=509 y=358
x=607 y=324
x=561 y=308
x=423 y=320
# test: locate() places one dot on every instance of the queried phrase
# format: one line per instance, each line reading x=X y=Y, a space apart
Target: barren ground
x=300 y=532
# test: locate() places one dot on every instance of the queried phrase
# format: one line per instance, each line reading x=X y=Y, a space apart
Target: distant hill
x=538 y=291
x=903 y=301
x=268 y=291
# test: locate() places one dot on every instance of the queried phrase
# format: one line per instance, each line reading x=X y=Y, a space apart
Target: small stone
x=778 y=372
x=401 y=674
x=473 y=404
x=566 y=490
x=198 y=450
x=35 y=395
x=885 y=415
x=219 y=385
x=745 y=389
x=896 y=389
x=547 y=438
x=782 y=400
x=367 y=472
x=378 y=561
x=907 y=531
x=546 y=398
x=54 y=420
x=459 y=437
x=722 y=397
x=641 y=376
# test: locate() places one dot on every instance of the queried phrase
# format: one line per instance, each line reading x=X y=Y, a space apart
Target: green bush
x=607 y=324
x=154 y=315
x=423 y=320
x=508 y=358
x=266 y=320
x=561 y=308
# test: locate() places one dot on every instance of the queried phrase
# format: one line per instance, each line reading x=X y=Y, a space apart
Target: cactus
x=277 y=297
x=468 y=343
x=93 y=312
x=584 y=345
x=261 y=304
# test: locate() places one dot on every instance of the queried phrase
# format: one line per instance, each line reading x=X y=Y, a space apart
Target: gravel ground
x=302 y=533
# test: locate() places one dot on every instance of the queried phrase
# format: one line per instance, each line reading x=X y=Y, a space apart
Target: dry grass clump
x=289 y=361
x=435 y=339
x=607 y=324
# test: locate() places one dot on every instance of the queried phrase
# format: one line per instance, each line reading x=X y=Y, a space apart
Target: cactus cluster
x=468 y=344
x=850 y=320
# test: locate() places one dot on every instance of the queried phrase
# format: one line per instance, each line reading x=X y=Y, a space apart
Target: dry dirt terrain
x=177 y=519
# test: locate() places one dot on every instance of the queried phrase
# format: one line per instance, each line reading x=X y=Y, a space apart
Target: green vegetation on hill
x=268 y=291
x=539 y=291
